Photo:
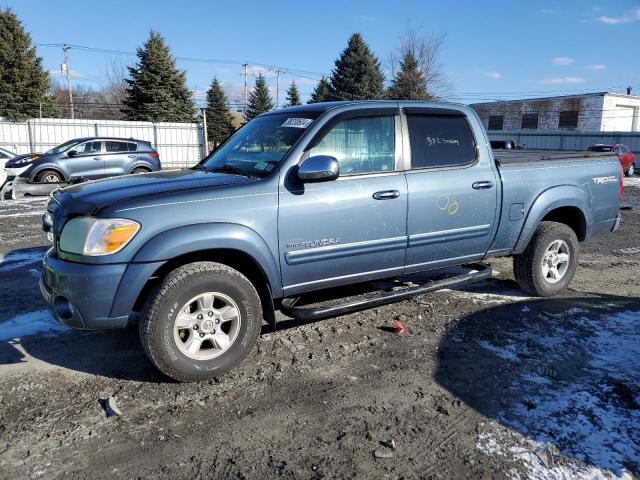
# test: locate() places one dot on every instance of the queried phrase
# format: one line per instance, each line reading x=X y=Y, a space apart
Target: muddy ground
x=484 y=383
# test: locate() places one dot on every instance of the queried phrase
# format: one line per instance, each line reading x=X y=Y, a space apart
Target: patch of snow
x=529 y=454
x=15 y=260
x=590 y=413
x=29 y=324
x=632 y=181
x=497 y=297
x=507 y=352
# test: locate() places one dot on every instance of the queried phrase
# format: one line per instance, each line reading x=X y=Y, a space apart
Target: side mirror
x=72 y=153
x=320 y=168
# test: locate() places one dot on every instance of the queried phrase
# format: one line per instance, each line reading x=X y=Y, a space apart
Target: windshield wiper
x=233 y=171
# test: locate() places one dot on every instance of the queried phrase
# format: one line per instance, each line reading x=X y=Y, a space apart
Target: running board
x=288 y=307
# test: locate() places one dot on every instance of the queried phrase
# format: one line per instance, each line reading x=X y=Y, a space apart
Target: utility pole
x=278 y=71
x=66 y=70
x=244 y=103
x=204 y=128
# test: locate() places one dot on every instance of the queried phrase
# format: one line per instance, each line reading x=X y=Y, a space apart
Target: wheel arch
x=565 y=204
x=48 y=166
x=234 y=245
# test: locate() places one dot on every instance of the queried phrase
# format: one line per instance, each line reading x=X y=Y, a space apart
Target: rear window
x=132 y=147
x=439 y=141
x=113 y=147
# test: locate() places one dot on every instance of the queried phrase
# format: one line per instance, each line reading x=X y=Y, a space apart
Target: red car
x=625 y=155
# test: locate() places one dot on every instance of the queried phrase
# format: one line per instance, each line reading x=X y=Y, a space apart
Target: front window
x=89 y=148
x=63 y=147
x=361 y=145
x=257 y=148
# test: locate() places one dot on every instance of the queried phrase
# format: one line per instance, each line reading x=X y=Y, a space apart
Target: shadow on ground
x=563 y=372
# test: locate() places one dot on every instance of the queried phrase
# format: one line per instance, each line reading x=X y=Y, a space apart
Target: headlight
x=24 y=160
x=97 y=236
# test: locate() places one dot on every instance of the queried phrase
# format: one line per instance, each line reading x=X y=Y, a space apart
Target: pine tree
x=24 y=84
x=322 y=92
x=357 y=74
x=409 y=82
x=156 y=90
x=259 y=99
x=293 y=95
x=219 y=120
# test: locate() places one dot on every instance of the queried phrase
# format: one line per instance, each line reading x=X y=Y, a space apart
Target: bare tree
x=426 y=48
x=114 y=89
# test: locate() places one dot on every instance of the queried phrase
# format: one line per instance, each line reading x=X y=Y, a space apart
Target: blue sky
x=502 y=49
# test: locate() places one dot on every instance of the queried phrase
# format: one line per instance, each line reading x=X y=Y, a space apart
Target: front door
x=453 y=192
x=353 y=228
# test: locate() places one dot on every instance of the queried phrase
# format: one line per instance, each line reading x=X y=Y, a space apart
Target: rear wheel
x=202 y=320
x=48 y=176
x=549 y=262
x=140 y=170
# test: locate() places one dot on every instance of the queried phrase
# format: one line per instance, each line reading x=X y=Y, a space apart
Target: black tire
x=174 y=291
x=140 y=170
x=528 y=266
x=48 y=176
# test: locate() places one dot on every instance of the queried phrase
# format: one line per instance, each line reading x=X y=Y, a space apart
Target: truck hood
x=90 y=197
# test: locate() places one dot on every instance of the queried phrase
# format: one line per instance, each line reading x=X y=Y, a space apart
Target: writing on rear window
x=440 y=141
x=297 y=122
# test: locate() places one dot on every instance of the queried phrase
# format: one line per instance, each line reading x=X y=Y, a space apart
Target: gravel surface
x=485 y=382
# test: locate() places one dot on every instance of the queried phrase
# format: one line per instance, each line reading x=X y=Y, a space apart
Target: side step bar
x=288 y=307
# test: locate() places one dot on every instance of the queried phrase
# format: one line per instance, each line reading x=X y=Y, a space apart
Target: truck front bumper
x=81 y=295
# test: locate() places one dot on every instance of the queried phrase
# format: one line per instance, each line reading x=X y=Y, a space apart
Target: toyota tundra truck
x=312 y=198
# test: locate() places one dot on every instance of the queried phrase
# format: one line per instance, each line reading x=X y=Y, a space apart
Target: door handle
x=131 y=156
x=482 y=185
x=386 y=195
x=97 y=158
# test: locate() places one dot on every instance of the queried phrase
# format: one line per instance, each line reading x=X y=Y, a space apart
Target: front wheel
x=202 y=320
x=48 y=176
x=549 y=262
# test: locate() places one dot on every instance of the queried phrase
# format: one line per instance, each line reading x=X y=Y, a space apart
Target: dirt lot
x=484 y=383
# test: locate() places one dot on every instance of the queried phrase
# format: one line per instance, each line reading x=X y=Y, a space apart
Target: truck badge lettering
x=603 y=180
x=323 y=242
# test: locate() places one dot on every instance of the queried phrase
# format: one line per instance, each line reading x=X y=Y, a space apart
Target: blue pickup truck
x=309 y=198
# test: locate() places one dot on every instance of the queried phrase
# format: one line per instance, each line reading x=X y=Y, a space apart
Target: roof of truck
x=324 y=106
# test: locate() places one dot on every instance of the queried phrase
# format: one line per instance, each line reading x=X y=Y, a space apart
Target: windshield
x=257 y=148
x=65 y=146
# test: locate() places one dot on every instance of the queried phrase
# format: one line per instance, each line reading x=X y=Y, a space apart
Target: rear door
x=118 y=157
x=453 y=193
x=353 y=228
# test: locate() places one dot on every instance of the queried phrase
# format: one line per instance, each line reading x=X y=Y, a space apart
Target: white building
x=590 y=112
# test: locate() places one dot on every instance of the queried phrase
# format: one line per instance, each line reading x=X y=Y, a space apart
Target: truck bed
x=527 y=156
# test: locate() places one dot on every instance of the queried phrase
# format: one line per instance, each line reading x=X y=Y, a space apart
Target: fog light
x=63 y=308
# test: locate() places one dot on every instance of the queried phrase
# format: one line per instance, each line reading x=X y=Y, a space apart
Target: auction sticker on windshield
x=297 y=122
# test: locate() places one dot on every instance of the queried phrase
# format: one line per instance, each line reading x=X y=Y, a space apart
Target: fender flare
x=140 y=164
x=211 y=236
x=549 y=200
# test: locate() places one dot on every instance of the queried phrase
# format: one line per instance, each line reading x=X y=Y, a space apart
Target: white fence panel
x=568 y=140
x=179 y=144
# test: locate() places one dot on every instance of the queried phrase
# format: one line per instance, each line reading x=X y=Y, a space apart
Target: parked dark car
x=88 y=158
x=625 y=155
x=505 y=145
